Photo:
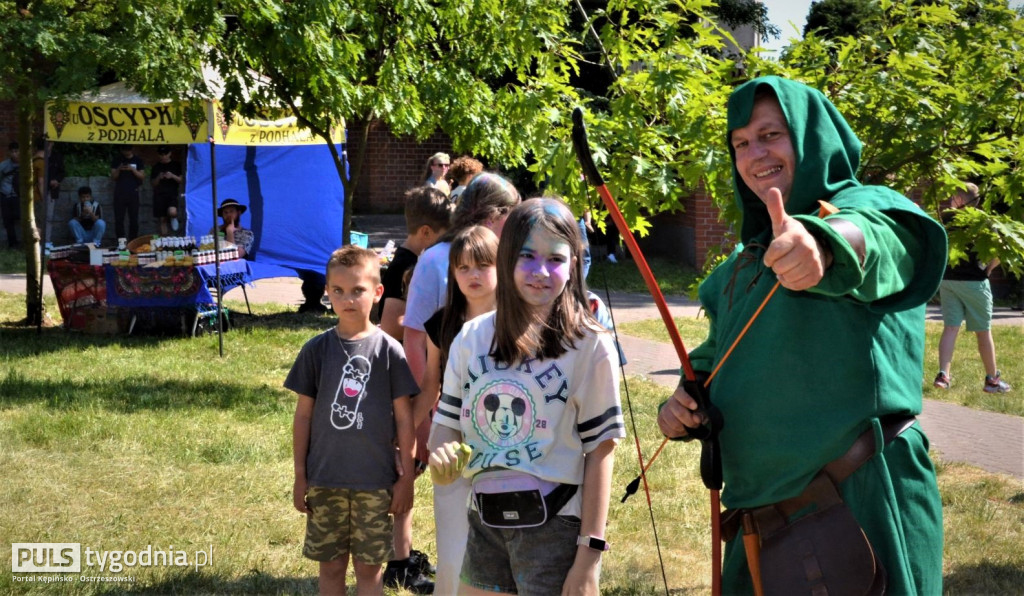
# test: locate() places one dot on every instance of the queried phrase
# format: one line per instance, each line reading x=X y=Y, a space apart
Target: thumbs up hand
x=797 y=258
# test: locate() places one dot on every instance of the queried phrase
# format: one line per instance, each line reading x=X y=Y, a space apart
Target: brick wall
x=689 y=235
x=710 y=232
x=391 y=166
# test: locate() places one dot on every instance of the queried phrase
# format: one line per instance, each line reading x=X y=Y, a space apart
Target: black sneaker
x=405 y=575
x=416 y=582
x=394 y=573
x=418 y=560
x=312 y=307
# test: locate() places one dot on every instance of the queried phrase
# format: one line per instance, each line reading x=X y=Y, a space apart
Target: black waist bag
x=524 y=508
x=822 y=553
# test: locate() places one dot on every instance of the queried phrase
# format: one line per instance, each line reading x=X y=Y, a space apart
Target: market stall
x=114 y=296
x=282 y=173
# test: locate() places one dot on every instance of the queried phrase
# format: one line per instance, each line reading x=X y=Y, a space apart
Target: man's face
x=126 y=152
x=164 y=157
x=764 y=151
x=85 y=198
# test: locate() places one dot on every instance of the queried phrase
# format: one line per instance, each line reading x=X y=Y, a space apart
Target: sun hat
x=231 y=203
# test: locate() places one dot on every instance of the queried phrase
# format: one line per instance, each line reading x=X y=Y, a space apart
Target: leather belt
x=837 y=470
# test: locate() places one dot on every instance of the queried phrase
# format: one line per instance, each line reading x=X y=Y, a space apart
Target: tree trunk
x=29 y=229
x=352 y=158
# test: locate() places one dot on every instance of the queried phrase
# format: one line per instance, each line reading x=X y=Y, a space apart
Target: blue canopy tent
x=294 y=197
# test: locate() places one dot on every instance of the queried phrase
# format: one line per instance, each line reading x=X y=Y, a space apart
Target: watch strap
x=598 y=544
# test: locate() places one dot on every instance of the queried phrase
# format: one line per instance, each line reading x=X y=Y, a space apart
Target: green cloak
x=819 y=367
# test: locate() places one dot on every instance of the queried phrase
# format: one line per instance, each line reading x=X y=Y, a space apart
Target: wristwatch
x=594 y=543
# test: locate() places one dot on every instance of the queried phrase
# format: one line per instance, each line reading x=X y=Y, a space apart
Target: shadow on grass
x=256 y=582
x=19 y=341
x=984 y=578
x=135 y=394
x=243 y=321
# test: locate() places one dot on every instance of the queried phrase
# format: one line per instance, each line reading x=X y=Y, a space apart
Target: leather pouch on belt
x=824 y=552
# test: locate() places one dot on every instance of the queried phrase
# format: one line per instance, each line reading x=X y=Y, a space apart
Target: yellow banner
x=282 y=131
x=133 y=124
x=168 y=123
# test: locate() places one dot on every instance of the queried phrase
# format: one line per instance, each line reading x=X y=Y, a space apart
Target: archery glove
x=702 y=395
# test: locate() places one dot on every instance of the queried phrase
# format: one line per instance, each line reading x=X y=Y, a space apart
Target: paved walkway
x=993 y=442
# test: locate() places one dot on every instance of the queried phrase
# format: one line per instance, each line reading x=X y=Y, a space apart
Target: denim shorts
x=343 y=521
x=528 y=561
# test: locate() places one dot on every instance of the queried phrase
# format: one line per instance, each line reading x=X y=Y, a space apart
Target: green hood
x=826 y=150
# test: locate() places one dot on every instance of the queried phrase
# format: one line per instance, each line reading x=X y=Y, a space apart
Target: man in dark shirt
x=127 y=170
x=166 y=180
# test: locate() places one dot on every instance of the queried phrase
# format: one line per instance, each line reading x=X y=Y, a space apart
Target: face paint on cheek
x=560 y=274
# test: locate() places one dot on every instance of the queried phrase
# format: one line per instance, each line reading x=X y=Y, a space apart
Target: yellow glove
x=448 y=461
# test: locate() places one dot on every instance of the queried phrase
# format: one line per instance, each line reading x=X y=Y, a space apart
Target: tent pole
x=216 y=244
x=45 y=227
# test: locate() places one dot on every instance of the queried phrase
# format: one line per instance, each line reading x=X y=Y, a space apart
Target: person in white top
x=530 y=413
x=487 y=201
x=436 y=174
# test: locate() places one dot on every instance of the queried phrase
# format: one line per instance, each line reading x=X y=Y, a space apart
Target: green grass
x=967 y=371
x=673 y=278
x=969 y=374
x=12 y=261
x=123 y=442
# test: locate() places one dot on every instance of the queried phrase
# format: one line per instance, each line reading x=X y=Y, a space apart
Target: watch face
x=594 y=543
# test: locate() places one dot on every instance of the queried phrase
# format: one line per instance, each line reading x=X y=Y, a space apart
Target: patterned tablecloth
x=140 y=287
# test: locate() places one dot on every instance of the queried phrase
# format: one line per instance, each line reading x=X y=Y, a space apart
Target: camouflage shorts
x=343 y=521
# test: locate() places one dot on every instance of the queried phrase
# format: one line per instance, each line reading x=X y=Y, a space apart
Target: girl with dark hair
x=487 y=201
x=472 y=280
x=530 y=413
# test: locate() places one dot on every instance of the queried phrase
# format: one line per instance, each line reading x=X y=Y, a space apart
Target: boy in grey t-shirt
x=354 y=389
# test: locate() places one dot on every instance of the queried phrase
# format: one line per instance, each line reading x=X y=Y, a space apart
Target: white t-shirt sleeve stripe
x=608 y=425
x=448 y=409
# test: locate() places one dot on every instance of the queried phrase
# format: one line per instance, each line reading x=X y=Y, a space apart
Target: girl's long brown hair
x=519 y=334
x=487 y=196
x=478 y=245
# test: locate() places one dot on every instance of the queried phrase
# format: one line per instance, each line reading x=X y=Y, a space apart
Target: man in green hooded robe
x=839 y=346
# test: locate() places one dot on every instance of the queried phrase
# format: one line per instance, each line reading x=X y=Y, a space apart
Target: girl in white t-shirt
x=530 y=413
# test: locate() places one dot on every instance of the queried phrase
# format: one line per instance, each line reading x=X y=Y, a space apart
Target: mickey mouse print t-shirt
x=538 y=416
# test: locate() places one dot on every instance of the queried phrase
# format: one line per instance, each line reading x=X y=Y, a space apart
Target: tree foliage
x=842 y=18
x=60 y=48
x=934 y=91
x=487 y=73
x=657 y=134
x=736 y=13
